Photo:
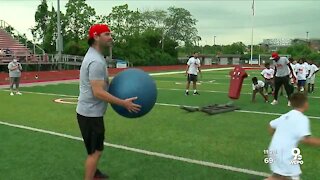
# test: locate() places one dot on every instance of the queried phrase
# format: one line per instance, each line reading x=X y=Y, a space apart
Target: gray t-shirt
x=15 y=72
x=282 y=67
x=94 y=67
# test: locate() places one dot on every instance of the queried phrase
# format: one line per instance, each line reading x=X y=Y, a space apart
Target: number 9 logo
x=296 y=152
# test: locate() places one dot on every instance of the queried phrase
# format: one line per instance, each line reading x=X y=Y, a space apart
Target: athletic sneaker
x=186 y=93
x=289 y=103
x=100 y=175
x=19 y=93
x=11 y=94
x=274 y=102
x=196 y=93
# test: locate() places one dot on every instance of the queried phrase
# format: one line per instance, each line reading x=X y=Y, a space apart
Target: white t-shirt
x=313 y=68
x=308 y=67
x=267 y=73
x=193 y=64
x=15 y=72
x=293 y=66
x=282 y=67
x=301 y=71
x=289 y=128
x=93 y=67
x=259 y=85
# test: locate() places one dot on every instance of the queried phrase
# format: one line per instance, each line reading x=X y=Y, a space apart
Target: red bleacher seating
x=7 y=41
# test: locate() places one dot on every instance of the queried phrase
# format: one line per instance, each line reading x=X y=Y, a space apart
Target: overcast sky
x=230 y=21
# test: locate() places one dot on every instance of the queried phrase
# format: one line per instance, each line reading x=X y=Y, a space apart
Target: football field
x=40 y=138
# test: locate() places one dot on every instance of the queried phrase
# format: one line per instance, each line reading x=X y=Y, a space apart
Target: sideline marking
x=150 y=153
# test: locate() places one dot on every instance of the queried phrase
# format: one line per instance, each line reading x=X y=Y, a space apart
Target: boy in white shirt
x=312 y=76
x=267 y=74
x=193 y=67
x=302 y=72
x=307 y=66
x=257 y=87
x=293 y=64
x=288 y=131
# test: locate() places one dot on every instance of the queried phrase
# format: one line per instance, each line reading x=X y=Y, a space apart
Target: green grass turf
x=32 y=155
x=235 y=139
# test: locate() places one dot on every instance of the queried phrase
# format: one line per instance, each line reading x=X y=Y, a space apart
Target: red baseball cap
x=274 y=55
x=97 y=29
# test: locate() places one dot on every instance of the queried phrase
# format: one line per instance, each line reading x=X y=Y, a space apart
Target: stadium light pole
x=252 y=18
x=59 y=38
x=214 y=40
x=307 y=36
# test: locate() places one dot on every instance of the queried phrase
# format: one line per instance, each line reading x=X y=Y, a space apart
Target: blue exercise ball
x=134 y=83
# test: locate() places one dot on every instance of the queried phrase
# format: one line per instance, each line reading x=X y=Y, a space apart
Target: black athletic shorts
x=192 y=77
x=92 y=130
x=301 y=83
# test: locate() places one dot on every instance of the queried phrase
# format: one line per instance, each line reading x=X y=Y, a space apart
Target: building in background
x=313 y=43
x=228 y=59
x=276 y=43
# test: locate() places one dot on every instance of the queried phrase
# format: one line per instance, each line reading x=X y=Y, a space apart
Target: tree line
x=151 y=37
x=142 y=37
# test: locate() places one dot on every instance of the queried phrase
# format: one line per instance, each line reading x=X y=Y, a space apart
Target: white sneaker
x=289 y=103
x=11 y=94
x=274 y=102
x=19 y=93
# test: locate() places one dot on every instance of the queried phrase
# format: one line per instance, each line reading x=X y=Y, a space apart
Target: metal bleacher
x=7 y=41
x=10 y=40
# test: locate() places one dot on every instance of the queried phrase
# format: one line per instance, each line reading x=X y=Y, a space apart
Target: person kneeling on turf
x=257 y=86
x=288 y=130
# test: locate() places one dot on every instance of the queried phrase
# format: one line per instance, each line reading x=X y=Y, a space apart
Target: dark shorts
x=268 y=82
x=301 y=82
x=192 y=77
x=259 y=89
x=92 y=130
x=14 y=80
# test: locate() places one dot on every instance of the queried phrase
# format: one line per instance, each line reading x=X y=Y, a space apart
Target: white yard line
x=223 y=92
x=209 y=91
x=164 y=104
x=180 y=72
x=145 y=152
x=42 y=83
x=77 y=80
x=241 y=111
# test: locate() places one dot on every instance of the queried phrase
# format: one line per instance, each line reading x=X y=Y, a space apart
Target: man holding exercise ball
x=93 y=98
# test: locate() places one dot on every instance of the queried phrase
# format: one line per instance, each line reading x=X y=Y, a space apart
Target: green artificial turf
x=235 y=139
